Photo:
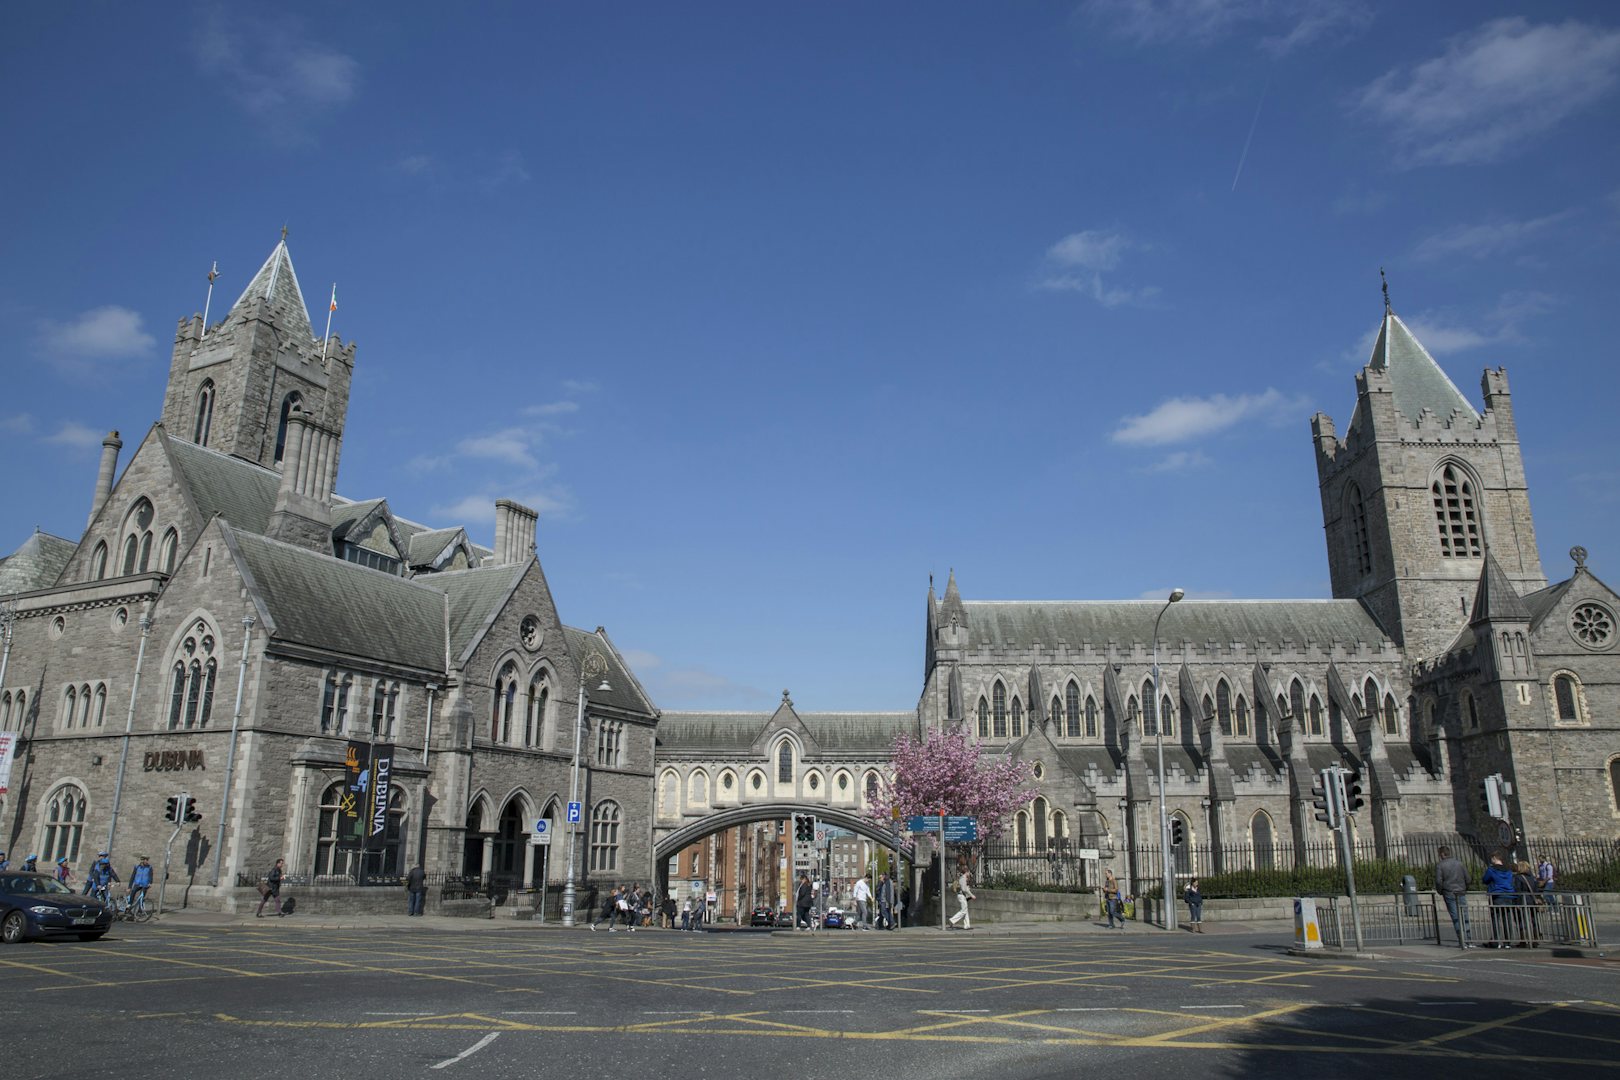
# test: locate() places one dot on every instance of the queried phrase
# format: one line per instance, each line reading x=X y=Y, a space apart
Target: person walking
x=964 y=893
x=1527 y=898
x=803 y=897
x=1546 y=875
x=270 y=888
x=609 y=912
x=1195 y=907
x=1499 y=891
x=863 y=904
x=885 y=902
x=1451 y=882
x=1110 y=897
x=415 y=890
x=686 y=914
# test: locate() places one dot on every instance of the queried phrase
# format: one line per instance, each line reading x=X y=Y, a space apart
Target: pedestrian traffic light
x=1353 y=799
x=1178 y=832
x=191 y=810
x=173 y=811
x=1491 y=798
x=1323 y=798
x=804 y=828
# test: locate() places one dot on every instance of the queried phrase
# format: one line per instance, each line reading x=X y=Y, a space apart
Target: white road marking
x=532 y=1012
x=1096 y=1008
x=676 y=1012
x=816 y=1012
x=473 y=1049
x=1213 y=1006
x=397 y=1014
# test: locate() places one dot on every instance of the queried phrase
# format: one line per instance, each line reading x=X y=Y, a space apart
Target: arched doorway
x=510 y=836
x=472 y=848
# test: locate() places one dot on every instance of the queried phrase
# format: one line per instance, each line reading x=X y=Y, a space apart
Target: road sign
x=958 y=829
x=1504 y=831
x=821 y=836
x=573 y=813
x=541 y=825
x=539 y=839
x=1088 y=853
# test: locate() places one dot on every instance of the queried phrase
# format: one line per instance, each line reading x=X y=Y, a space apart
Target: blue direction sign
x=958 y=829
x=573 y=813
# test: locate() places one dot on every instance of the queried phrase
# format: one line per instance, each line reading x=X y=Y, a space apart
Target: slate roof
x=37 y=564
x=346 y=514
x=624 y=690
x=277 y=283
x=1079 y=759
x=1018 y=624
x=424 y=547
x=1416 y=381
x=473 y=596
x=331 y=604
x=1541 y=603
x=241 y=492
x=872 y=734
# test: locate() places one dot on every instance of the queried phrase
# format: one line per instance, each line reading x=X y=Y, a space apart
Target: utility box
x=1307 y=928
x=1409 y=894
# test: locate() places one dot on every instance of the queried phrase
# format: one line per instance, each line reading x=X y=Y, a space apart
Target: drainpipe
x=230 y=754
x=129 y=725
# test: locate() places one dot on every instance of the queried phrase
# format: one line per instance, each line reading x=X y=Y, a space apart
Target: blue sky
x=775 y=310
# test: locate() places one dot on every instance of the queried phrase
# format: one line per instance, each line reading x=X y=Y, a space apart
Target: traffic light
x=804 y=828
x=1492 y=797
x=1178 y=832
x=1324 y=797
x=173 y=810
x=1353 y=799
x=191 y=810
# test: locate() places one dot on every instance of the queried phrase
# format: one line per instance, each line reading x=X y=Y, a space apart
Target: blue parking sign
x=573 y=813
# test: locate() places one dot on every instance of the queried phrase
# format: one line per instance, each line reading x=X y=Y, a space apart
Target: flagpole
x=212 y=274
x=328 y=335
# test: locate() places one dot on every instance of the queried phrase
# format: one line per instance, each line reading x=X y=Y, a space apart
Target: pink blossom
x=946 y=772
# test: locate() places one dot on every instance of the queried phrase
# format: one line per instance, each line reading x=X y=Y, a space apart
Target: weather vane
x=1385 y=282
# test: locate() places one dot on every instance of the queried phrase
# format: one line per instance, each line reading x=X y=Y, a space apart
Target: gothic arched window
x=1360 y=544
x=138 y=537
x=536 y=724
x=998 y=710
x=784 y=763
x=1566 y=700
x=205 y=413
x=1071 y=710
x=984 y=718
x=1223 y=707
x=64 y=824
x=1240 y=715
x=384 y=708
x=1167 y=717
x=169 y=551
x=500 y=721
x=195 y=670
x=1150 y=712
x=1017 y=718
x=1091 y=717
x=1315 y=715
x=1455 y=513
x=98 y=562
x=605 y=836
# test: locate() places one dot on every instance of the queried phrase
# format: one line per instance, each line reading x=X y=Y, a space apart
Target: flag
x=334 y=298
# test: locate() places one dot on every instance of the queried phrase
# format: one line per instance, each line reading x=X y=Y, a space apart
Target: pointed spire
x=276 y=284
x=951 y=612
x=1494 y=597
x=1417 y=382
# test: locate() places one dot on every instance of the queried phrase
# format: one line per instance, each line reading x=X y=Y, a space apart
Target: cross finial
x=284 y=235
x=1385 y=281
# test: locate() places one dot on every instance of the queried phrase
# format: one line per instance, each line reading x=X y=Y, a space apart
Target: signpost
x=573 y=813
x=541 y=836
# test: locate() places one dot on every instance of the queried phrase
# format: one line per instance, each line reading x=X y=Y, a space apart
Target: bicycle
x=132 y=907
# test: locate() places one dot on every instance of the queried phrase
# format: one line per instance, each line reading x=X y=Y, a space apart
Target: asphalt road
x=277 y=999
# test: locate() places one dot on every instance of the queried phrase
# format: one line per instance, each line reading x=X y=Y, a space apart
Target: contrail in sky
x=1252 y=125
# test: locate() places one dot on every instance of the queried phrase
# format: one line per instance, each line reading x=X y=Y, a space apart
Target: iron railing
x=1514 y=920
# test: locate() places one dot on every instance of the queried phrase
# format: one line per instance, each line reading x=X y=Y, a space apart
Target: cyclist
x=140 y=880
x=101 y=875
x=64 y=873
x=30 y=864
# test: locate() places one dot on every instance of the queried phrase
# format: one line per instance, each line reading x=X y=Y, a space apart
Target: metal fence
x=446 y=881
x=1058 y=868
x=1516 y=920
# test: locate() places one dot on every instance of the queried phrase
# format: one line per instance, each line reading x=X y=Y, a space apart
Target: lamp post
x=1164 y=818
x=594 y=666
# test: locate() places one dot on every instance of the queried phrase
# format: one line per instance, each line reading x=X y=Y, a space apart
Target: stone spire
x=1494 y=596
x=1416 y=381
x=276 y=286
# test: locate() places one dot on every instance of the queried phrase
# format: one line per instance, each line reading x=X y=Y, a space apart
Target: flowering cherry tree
x=946 y=771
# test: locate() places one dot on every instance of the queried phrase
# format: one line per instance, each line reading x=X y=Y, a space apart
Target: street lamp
x=1158 y=729
x=594 y=666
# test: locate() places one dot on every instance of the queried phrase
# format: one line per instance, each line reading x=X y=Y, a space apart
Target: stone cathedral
x=226 y=624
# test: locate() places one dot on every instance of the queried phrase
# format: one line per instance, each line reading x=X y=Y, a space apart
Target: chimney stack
x=104 y=478
x=303 y=511
x=514 y=532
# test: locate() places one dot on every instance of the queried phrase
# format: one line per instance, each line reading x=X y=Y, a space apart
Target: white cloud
x=1485 y=239
x=1493 y=89
x=1185 y=418
x=476 y=511
x=75 y=435
x=641 y=660
x=552 y=408
x=1282 y=25
x=1093 y=249
x=19 y=424
x=273 y=71
x=511 y=445
x=1076 y=264
x=1444 y=331
x=104 y=333
x=1181 y=461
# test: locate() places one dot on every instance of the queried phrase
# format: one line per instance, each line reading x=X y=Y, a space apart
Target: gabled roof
x=870 y=734
x=330 y=604
x=424 y=548
x=1022 y=623
x=277 y=283
x=37 y=564
x=1416 y=381
x=473 y=596
x=624 y=689
x=242 y=492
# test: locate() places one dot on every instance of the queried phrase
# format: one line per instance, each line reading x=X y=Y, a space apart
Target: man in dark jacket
x=270 y=890
x=1451 y=882
x=802 y=899
x=415 y=890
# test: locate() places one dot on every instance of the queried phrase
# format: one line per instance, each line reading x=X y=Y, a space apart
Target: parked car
x=37 y=905
x=838 y=919
x=762 y=916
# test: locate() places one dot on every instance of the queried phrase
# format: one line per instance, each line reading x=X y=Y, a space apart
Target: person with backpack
x=1195 y=907
x=270 y=889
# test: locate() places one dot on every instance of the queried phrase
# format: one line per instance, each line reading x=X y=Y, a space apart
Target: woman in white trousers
x=963 y=895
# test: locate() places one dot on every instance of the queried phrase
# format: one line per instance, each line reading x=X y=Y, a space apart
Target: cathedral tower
x=1417 y=488
x=233 y=385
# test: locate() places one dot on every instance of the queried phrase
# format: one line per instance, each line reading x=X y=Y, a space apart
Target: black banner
x=354 y=804
x=382 y=786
